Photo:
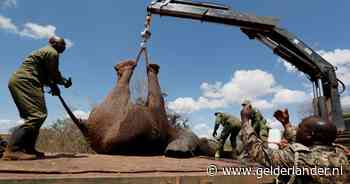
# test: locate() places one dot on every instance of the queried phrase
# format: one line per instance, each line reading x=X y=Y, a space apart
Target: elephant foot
x=125 y=65
x=153 y=68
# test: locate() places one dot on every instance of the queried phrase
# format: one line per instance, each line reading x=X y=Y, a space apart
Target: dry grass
x=62 y=136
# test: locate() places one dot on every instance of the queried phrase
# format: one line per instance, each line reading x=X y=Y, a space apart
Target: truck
x=321 y=73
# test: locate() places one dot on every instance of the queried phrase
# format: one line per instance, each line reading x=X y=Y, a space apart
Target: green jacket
x=227 y=120
x=41 y=66
x=259 y=123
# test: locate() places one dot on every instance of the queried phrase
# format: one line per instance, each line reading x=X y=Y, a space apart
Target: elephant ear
x=184 y=145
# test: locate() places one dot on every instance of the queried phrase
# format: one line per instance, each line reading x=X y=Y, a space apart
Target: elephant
x=118 y=126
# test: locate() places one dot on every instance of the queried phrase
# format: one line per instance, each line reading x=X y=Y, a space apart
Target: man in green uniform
x=258 y=122
x=314 y=148
x=231 y=126
x=39 y=69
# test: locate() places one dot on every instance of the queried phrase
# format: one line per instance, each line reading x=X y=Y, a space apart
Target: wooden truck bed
x=83 y=168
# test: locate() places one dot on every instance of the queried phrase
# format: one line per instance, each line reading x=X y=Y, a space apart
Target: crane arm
x=283 y=43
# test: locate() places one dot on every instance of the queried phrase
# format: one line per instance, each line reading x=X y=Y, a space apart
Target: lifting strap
x=145 y=34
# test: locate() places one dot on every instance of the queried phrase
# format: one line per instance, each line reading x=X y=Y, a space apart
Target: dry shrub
x=62 y=136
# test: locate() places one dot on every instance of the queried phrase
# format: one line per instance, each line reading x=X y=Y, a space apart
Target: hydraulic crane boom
x=283 y=43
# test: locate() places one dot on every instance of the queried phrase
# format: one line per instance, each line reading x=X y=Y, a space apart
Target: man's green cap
x=246 y=102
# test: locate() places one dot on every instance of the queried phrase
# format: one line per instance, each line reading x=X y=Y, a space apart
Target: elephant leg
x=121 y=93
x=155 y=99
x=124 y=71
x=117 y=102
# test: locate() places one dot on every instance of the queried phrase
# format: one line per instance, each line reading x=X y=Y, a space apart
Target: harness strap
x=145 y=34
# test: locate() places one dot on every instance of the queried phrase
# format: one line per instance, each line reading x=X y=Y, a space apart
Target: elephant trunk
x=77 y=121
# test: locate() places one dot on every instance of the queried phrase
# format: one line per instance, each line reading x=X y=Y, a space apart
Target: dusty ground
x=105 y=166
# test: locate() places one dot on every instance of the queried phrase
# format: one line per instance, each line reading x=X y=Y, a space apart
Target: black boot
x=16 y=145
x=30 y=147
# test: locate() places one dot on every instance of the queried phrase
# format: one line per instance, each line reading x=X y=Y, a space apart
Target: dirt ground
x=57 y=166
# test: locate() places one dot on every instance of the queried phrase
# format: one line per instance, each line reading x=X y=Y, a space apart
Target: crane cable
x=146 y=35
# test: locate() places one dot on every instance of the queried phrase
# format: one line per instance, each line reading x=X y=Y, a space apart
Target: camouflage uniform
x=289 y=133
x=297 y=155
x=26 y=86
x=231 y=126
x=260 y=124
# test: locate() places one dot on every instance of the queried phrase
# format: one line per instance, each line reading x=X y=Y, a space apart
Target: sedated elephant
x=117 y=126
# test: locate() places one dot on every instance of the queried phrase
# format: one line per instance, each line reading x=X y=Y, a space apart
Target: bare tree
x=175 y=119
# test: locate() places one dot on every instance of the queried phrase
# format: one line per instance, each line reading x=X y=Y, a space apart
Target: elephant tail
x=77 y=121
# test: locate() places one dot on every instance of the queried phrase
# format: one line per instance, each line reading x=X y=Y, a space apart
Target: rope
x=146 y=35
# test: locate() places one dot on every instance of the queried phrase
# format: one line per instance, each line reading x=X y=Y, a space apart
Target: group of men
x=232 y=125
x=311 y=144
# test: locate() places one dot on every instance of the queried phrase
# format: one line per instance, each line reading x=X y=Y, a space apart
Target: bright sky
x=204 y=67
